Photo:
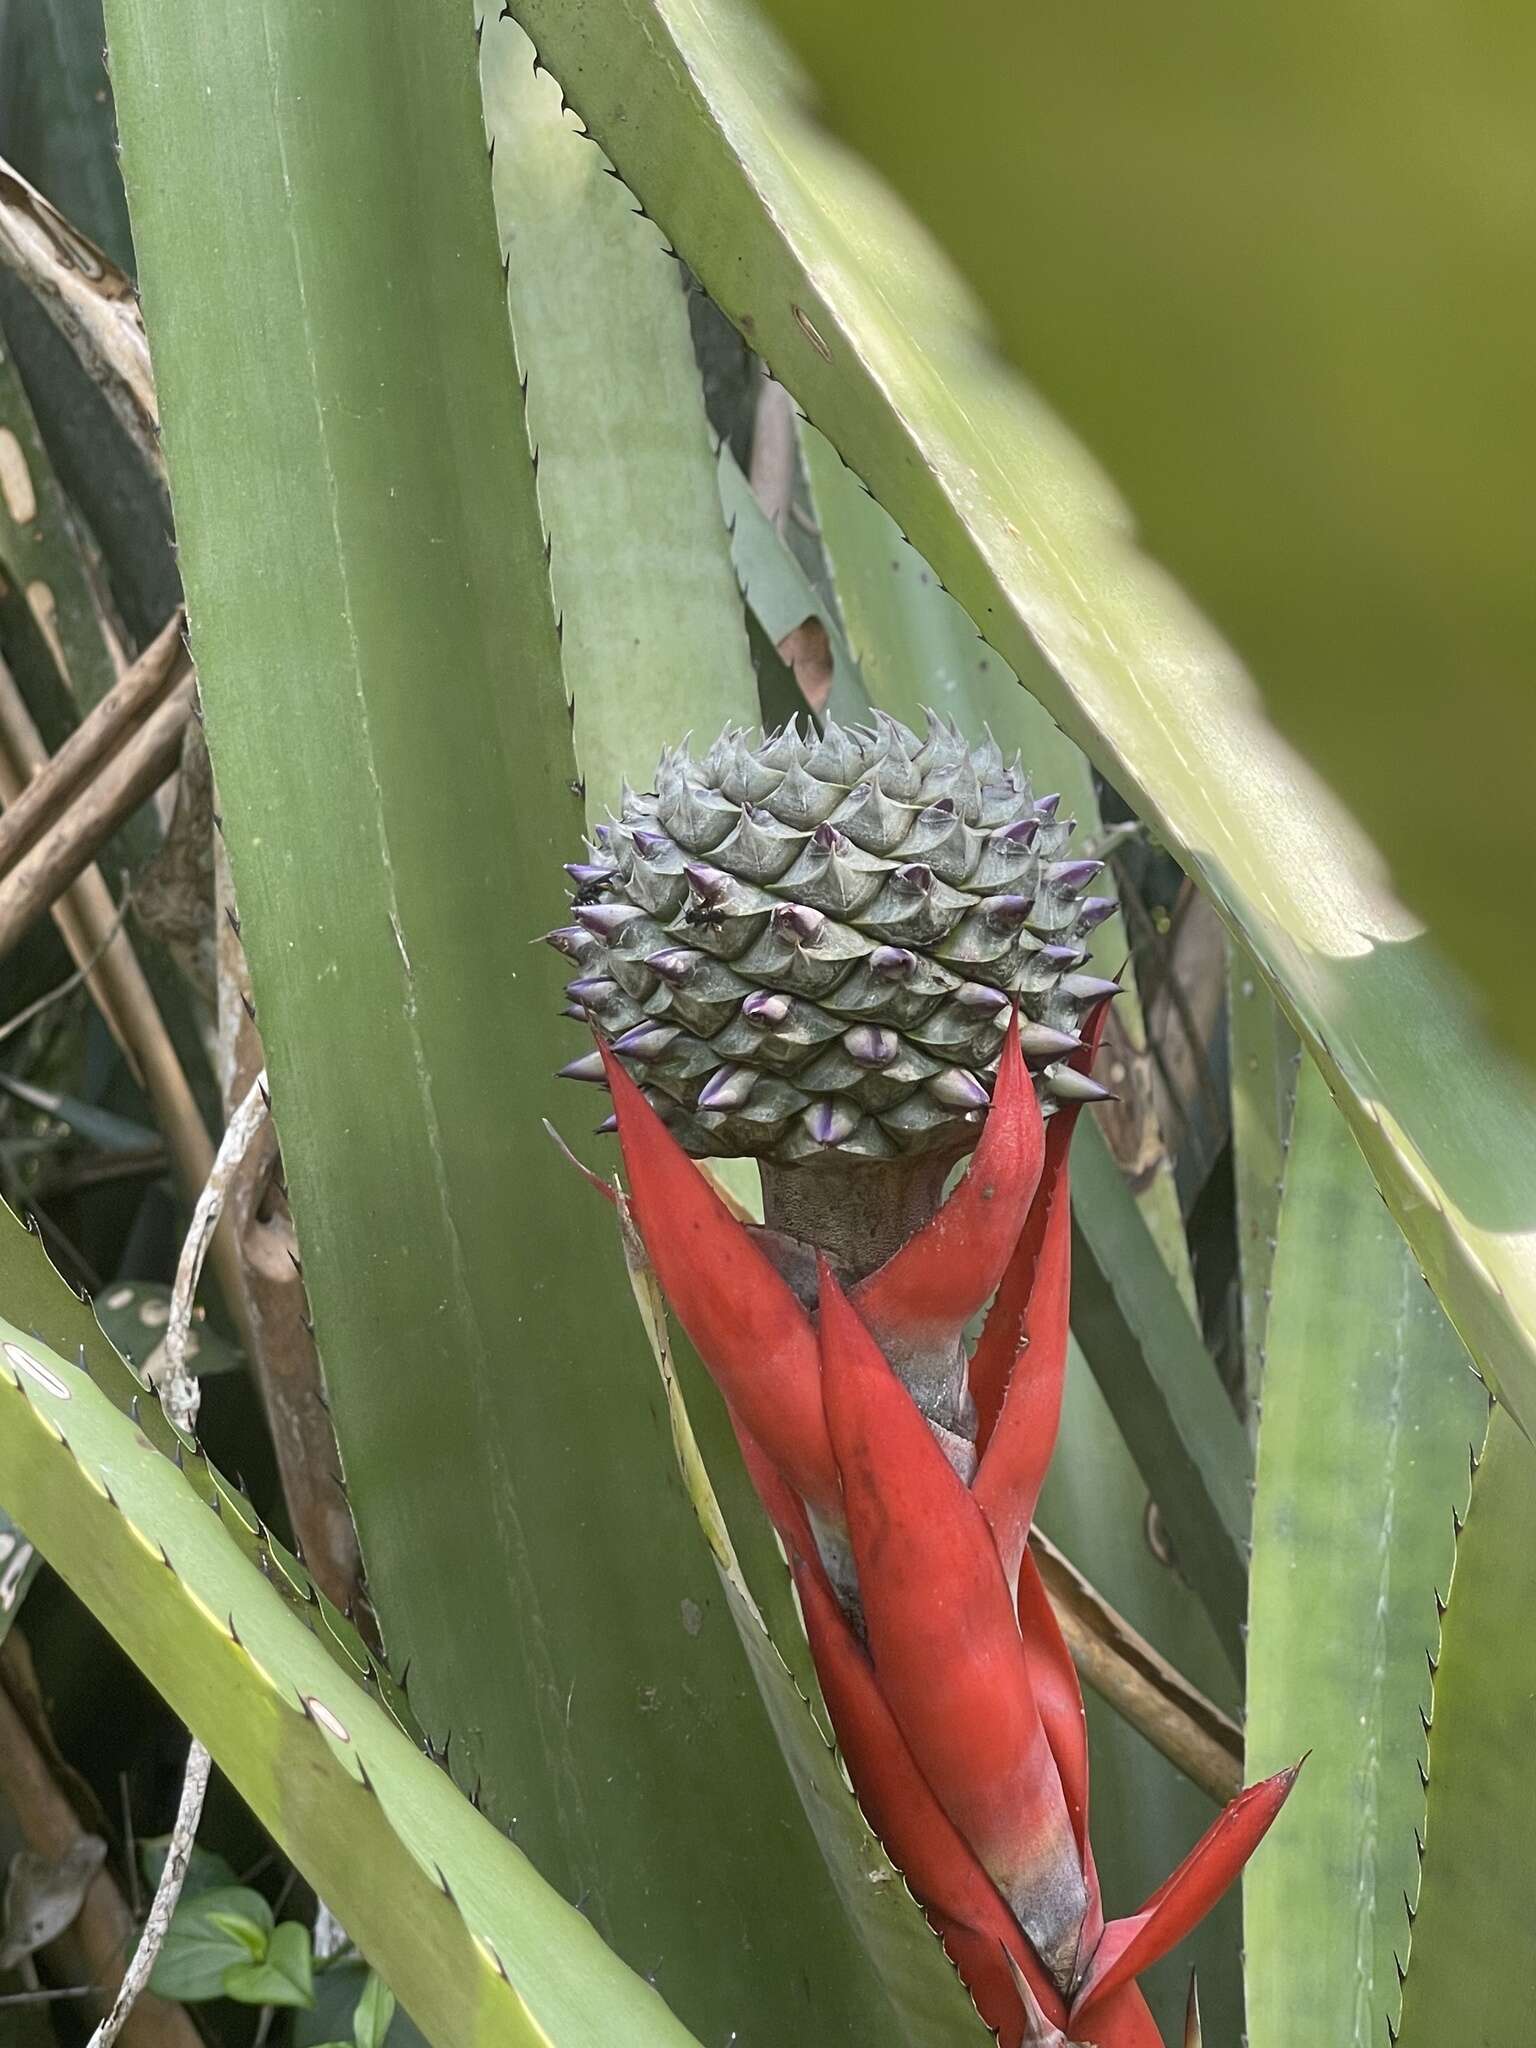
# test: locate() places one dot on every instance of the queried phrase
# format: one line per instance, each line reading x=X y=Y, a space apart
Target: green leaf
x=779 y=592
x=653 y=644
x=206 y=1871
x=1161 y=1385
x=373 y=2014
x=284 y=1975
x=850 y=306
x=245 y=1933
x=1471 y=1964
x=42 y=555
x=1264 y=1058
x=211 y=1932
x=1368 y=1412
x=476 y=1944
x=1249 y=255
x=133 y=1315
x=313 y=217
x=339 y=1984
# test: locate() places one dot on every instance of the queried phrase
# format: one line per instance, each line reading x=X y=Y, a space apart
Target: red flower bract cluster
x=949 y=1685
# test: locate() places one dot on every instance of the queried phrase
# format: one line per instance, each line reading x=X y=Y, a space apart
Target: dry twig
x=103 y=730
x=194 y=1789
x=99 y=806
x=91 y=1950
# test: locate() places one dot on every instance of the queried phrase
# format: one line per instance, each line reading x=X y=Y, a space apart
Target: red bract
x=742 y=1317
x=946 y=1676
x=930 y=1289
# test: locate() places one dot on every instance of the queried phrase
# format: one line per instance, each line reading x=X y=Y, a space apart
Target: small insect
x=704 y=914
x=589 y=892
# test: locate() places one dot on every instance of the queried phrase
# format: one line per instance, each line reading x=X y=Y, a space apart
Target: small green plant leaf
x=210 y=1934
x=206 y=1871
x=375 y=2010
x=284 y=1975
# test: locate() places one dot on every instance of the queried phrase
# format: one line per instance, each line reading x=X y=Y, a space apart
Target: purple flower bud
x=871 y=1045
x=649 y=844
x=958 y=1088
x=586 y=873
x=976 y=995
x=646 y=1041
x=1062 y=958
x=1093 y=910
x=588 y=1068
x=1071 y=875
x=829 y=840
x=1068 y=1085
x=570 y=940
x=591 y=988
x=608 y=1124
x=606 y=919
x=727 y=1088
x=1040 y=1042
x=673 y=964
x=799 y=924
x=1047 y=806
x=764 y=1006
x=830 y=1123
x=1090 y=988
x=893 y=963
x=915 y=877
x=1007 y=913
x=1022 y=832
x=710 y=885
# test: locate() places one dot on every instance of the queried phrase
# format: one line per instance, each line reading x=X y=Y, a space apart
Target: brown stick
x=86 y=913
x=1141 y=1686
x=69 y=846
x=100 y=1938
x=282 y=1337
x=118 y=984
x=99 y=734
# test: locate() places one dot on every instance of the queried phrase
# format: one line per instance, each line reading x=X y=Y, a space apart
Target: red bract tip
x=918 y=1835
x=1059 y=1697
x=746 y=1325
x=1007 y=1323
x=945 y=1271
x=944 y=1637
x=1017 y=1449
x=1133 y=1945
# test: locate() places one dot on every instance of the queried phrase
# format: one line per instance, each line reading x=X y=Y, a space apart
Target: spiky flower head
x=806 y=947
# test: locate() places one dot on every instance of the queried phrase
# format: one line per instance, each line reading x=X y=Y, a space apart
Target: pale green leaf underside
x=1472 y=1961
x=373 y=1825
x=1368 y=1413
x=877 y=341
x=653 y=643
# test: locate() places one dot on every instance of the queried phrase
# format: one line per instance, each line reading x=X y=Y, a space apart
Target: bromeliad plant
x=842 y=952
